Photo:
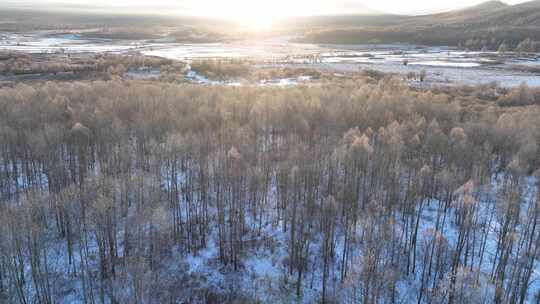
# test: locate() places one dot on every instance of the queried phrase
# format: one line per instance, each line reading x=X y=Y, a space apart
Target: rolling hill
x=487 y=25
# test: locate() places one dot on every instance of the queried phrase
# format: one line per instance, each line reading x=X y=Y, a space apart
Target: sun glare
x=255 y=19
x=255 y=15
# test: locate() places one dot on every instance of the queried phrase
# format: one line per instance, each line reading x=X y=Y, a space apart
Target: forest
x=352 y=191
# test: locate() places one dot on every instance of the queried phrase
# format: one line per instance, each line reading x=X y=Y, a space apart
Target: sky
x=275 y=8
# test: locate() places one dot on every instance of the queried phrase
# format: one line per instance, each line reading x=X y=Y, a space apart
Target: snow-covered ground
x=263 y=271
x=444 y=65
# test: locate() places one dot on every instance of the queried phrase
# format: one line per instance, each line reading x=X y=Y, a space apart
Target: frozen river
x=443 y=65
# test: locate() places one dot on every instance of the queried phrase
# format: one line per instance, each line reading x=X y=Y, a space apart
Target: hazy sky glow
x=286 y=7
x=264 y=12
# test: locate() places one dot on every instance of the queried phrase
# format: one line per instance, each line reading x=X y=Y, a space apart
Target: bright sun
x=255 y=15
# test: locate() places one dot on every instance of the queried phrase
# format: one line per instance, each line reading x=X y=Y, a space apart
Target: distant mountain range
x=487 y=25
x=490 y=11
x=487 y=14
